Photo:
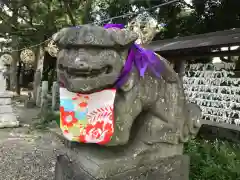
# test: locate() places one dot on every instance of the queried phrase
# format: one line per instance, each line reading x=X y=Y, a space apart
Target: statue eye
x=89 y=39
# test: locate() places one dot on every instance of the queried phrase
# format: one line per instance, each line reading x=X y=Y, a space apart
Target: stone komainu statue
x=152 y=118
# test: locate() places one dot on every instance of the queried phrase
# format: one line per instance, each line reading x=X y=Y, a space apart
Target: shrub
x=213 y=160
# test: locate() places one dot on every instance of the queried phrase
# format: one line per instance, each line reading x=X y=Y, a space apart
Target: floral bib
x=87 y=118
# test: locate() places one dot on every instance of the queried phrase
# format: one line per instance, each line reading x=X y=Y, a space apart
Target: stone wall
x=215 y=88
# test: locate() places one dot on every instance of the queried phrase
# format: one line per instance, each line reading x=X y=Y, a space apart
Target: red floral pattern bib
x=87 y=118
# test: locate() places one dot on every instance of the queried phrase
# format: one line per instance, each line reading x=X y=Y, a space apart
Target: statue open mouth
x=87 y=80
x=86 y=72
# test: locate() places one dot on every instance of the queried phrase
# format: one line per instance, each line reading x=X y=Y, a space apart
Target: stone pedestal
x=92 y=162
x=7 y=116
x=2 y=80
x=29 y=103
x=171 y=168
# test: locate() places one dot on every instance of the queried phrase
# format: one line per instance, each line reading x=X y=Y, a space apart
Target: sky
x=189 y=1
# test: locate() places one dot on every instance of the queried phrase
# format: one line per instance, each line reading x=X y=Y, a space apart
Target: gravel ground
x=28 y=156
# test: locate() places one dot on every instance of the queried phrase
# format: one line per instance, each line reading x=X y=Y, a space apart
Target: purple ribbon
x=142 y=58
x=118 y=26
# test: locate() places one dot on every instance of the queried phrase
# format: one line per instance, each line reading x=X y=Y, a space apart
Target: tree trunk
x=37 y=74
x=37 y=56
x=19 y=70
x=13 y=68
x=86 y=12
x=15 y=54
x=69 y=12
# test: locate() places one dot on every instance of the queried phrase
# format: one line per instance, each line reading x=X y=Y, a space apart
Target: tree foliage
x=38 y=20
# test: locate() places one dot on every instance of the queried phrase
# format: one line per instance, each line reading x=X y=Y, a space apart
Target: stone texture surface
x=171 y=168
x=161 y=101
x=152 y=118
x=94 y=35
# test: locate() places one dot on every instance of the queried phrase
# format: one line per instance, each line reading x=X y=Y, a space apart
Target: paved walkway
x=27 y=154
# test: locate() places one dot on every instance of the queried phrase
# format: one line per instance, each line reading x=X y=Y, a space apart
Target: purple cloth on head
x=118 y=26
x=140 y=57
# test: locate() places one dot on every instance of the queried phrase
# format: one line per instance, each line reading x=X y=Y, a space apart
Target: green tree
x=28 y=22
x=211 y=15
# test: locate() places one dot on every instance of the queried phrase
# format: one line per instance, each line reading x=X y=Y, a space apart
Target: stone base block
x=6 y=109
x=8 y=120
x=30 y=104
x=5 y=101
x=6 y=94
x=171 y=168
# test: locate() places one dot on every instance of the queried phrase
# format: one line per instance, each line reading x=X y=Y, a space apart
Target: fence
x=215 y=88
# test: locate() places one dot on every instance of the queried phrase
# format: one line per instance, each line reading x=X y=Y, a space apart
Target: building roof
x=208 y=40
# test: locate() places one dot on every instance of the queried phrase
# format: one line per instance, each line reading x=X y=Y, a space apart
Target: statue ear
x=56 y=37
x=131 y=82
x=123 y=37
x=61 y=37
